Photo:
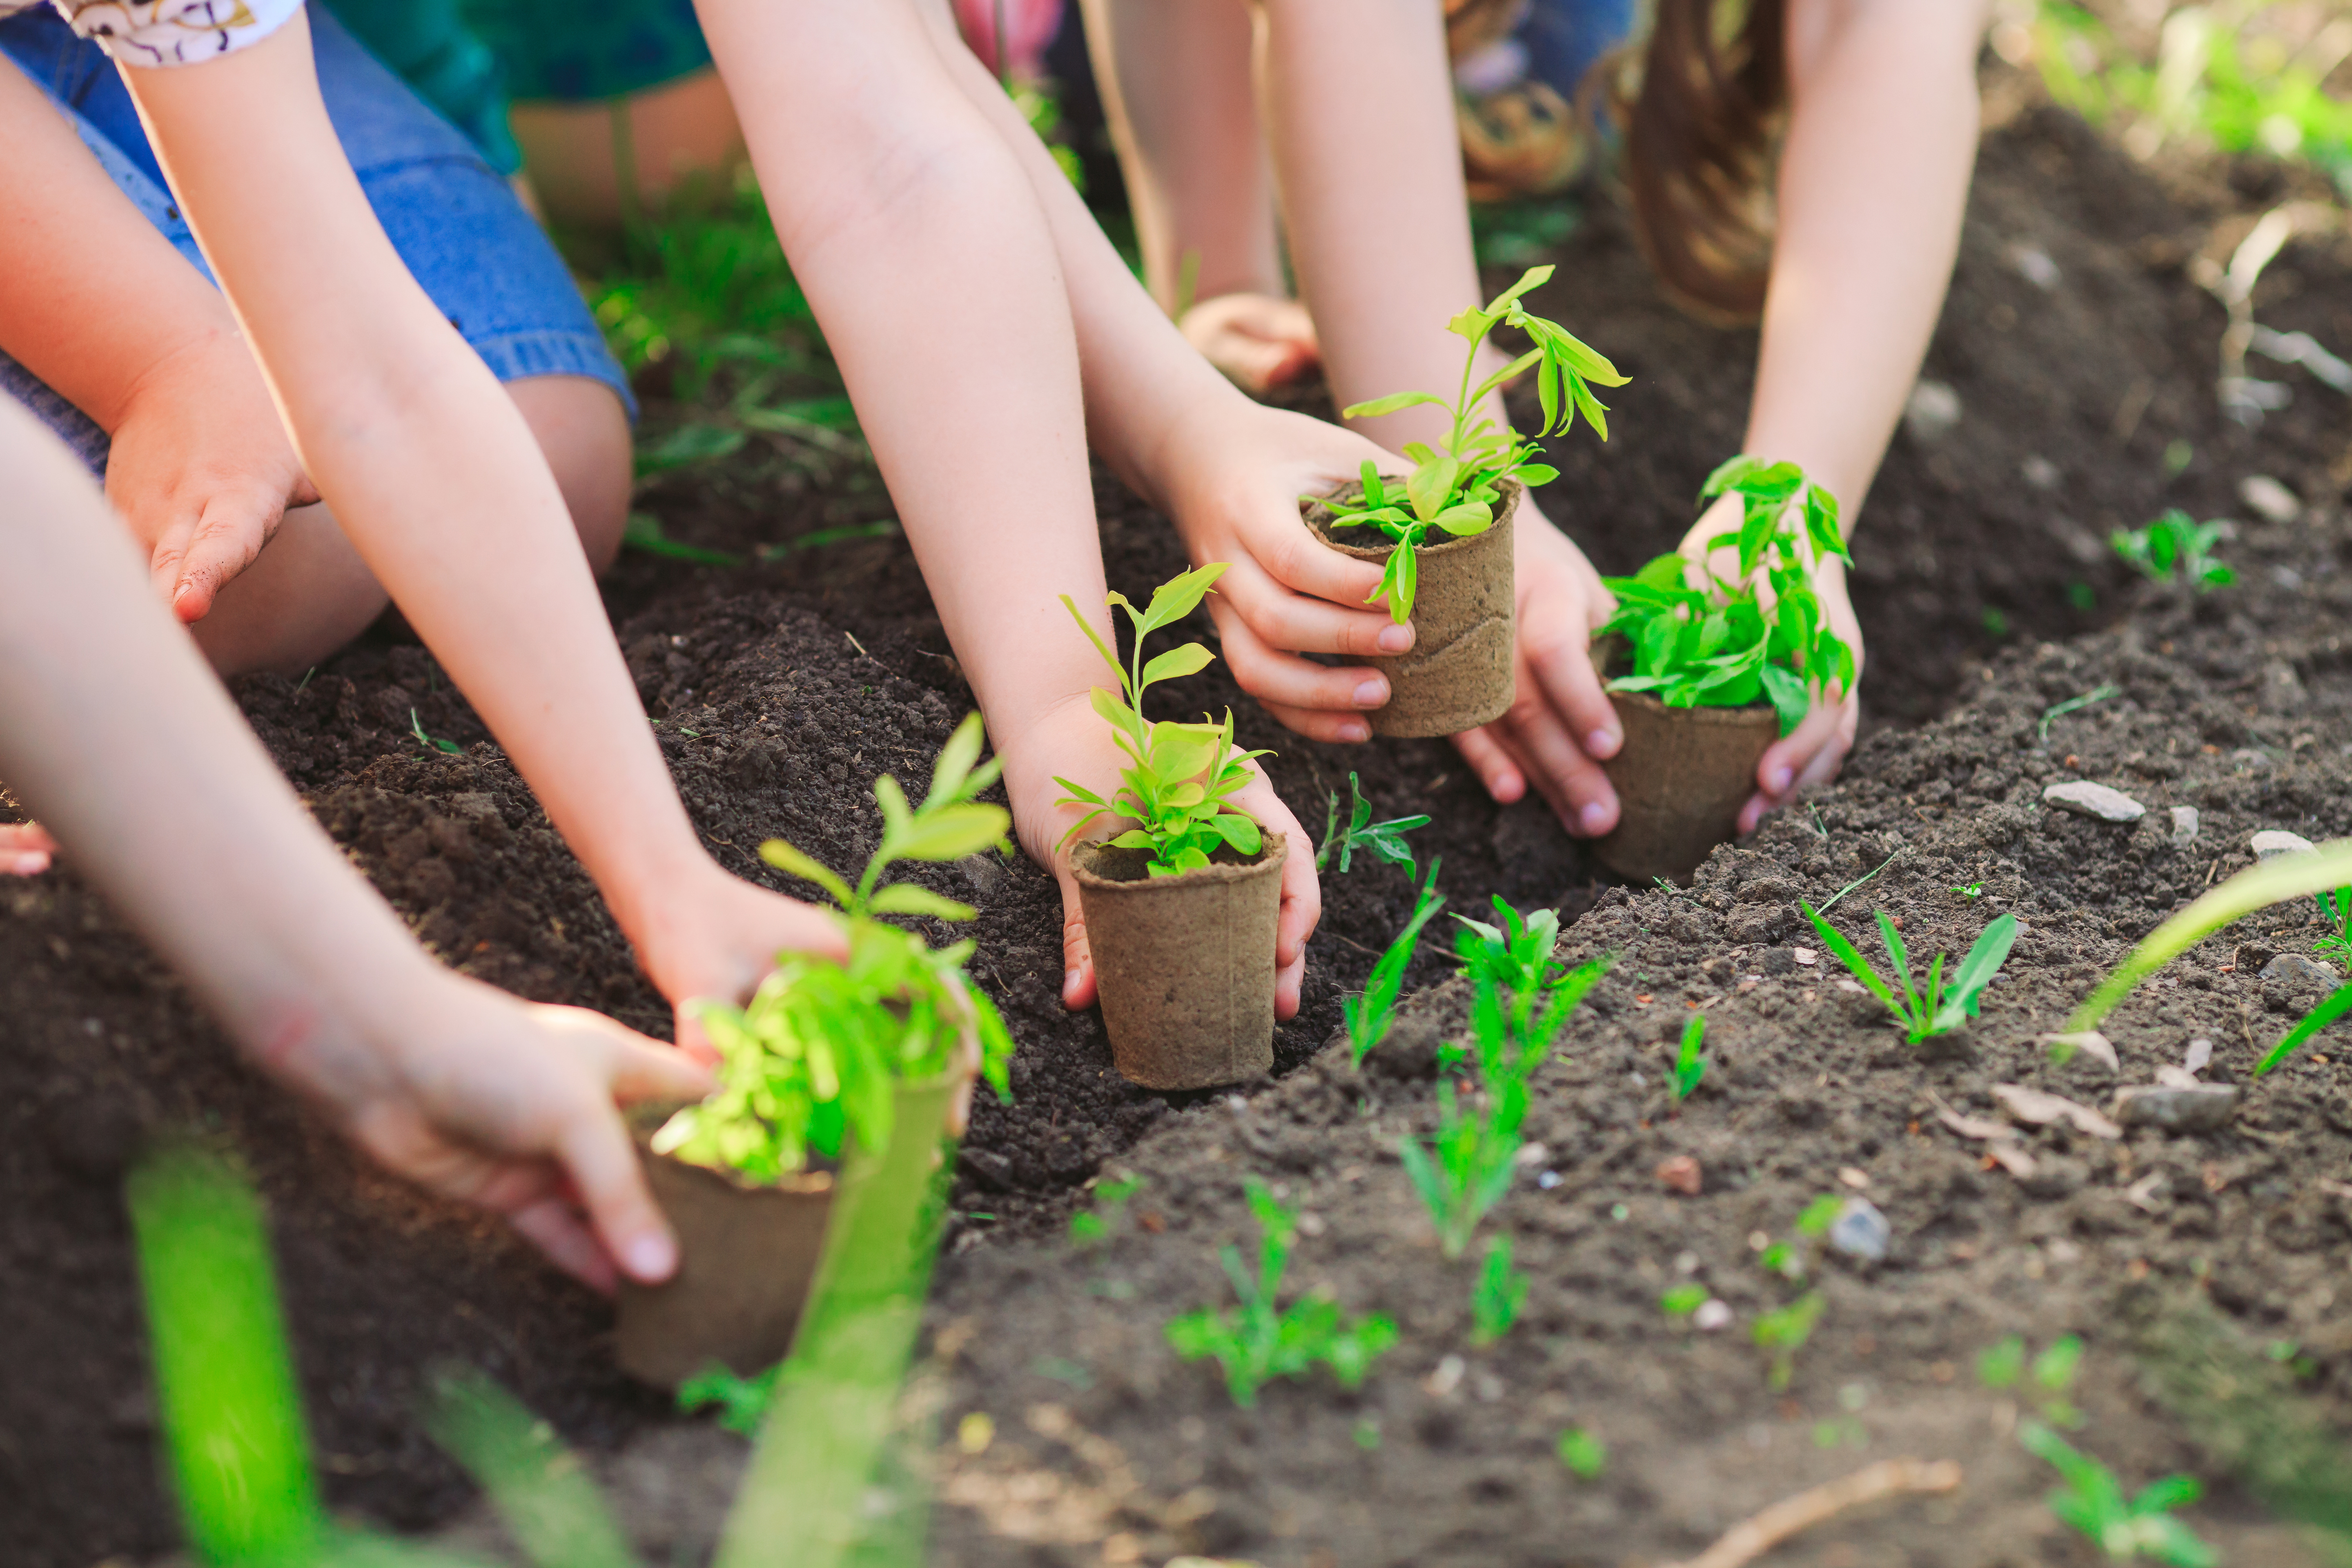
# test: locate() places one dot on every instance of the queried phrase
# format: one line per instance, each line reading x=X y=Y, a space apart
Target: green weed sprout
x=1782 y=1332
x=818 y=1052
x=1720 y=645
x=1183 y=774
x=2092 y=1503
x=1257 y=1341
x=1790 y=1260
x=1935 y=1010
x=1690 y=1067
x=739 y=1401
x=1383 y=841
x=1088 y=1226
x=2002 y=1366
x=2174 y=549
x=2326 y=870
x=1456 y=485
x=1496 y=1300
x=1584 y=1455
x=2336 y=908
x=1519 y=956
x=1369 y=1016
x=1682 y=1301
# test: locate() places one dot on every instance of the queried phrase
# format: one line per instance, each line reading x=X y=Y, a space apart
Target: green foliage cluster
x=741 y=1402
x=817 y=1054
x=1934 y=1011
x=1496 y=1298
x=1368 y=1016
x=2125 y=1528
x=1383 y=841
x=1259 y=1341
x=1456 y=486
x=1184 y=775
x=1784 y=1331
x=2175 y=548
x=1721 y=644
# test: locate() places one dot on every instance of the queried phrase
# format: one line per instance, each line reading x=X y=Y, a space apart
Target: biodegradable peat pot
x=1458 y=674
x=1681 y=777
x=1184 y=964
x=747 y=1256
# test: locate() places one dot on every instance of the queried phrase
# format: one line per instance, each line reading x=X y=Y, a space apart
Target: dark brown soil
x=780 y=688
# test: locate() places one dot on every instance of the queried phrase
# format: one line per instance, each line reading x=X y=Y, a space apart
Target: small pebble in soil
x=1711 y=1316
x=1932 y=412
x=2094 y=799
x=2199 y=1053
x=2033 y=265
x=2271 y=843
x=1530 y=1155
x=2199 y=1109
x=2269 y=499
x=1446 y=1378
x=1547 y=1179
x=1686 y=1262
x=1681 y=1175
x=1805 y=955
x=2294 y=969
x=2184 y=826
x=1854 y=1178
x=1860 y=1231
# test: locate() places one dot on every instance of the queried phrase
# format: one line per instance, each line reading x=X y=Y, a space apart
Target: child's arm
x=101 y=307
x=454 y=1085
x=1874 y=185
x=922 y=245
x=434 y=475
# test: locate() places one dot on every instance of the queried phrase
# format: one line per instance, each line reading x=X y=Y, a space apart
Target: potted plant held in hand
x=1705 y=677
x=1180 y=909
x=1448 y=564
x=819 y=1079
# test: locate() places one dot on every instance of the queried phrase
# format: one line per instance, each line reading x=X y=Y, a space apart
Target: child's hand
x=1815 y=750
x=510 y=1107
x=25 y=848
x=714 y=936
x=1072 y=740
x=1230 y=478
x=1560 y=724
x=202 y=468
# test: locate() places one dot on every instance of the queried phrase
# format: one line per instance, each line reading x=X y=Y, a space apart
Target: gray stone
x=2272 y=842
x=2269 y=499
x=1932 y=412
x=2094 y=799
x=2199 y=1109
x=1860 y=1231
x=2184 y=826
x=2295 y=969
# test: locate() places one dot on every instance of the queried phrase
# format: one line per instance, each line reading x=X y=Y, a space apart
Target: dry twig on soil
x=1759 y=1533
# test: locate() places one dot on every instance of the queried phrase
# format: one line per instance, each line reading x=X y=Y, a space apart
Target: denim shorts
x=464 y=238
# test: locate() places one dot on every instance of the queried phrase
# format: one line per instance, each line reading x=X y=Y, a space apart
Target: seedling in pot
x=1184 y=775
x=2174 y=549
x=1456 y=485
x=2325 y=873
x=1934 y=1011
x=1690 y=1067
x=2125 y=1530
x=1259 y=1342
x=1383 y=841
x=1760 y=637
x=1496 y=1300
x=1370 y=1015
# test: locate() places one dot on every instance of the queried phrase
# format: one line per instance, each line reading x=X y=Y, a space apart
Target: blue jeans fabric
x=1564 y=38
x=455 y=221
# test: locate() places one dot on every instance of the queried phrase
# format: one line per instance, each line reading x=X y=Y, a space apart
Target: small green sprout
x=1088 y=1226
x=1584 y=1455
x=2335 y=909
x=1689 y=1065
x=1366 y=1434
x=2057 y=711
x=1368 y=1016
x=1184 y=775
x=2053 y=1374
x=2001 y=1366
x=1969 y=891
x=1456 y=486
x=2175 y=548
x=2092 y=1503
x=1935 y=1010
x=1519 y=956
x=1789 y=1260
x=1682 y=1301
x=1257 y=1341
x=742 y=1401
x=1496 y=1300
x=430 y=742
x=1761 y=636
x=1383 y=841
x=1782 y=1332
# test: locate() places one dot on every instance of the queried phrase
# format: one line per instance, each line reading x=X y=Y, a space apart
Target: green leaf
x=1893 y=938
x=2336 y=1007
x=1180 y=751
x=1533 y=277
x=1241 y=832
x=1788 y=694
x=955 y=831
x=1095 y=637
x=1190 y=659
x=1535 y=475
x=1390 y=405
x=1985 y=956
x=1175 y=599
x=1407 y=580
x=954 y=763
x=1430 y=486
x=906 y=898
x=1118 y=715
x=1849 y=955
x=1470 y=517
x=794 y=862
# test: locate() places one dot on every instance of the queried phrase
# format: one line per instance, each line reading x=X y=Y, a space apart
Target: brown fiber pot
x=1680 y=778
x=1185 y=964
x=1458 y=674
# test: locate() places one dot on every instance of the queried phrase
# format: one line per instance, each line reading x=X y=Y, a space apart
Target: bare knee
x=584 y=433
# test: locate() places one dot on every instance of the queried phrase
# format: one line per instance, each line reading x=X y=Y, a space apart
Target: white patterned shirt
x=168 y=32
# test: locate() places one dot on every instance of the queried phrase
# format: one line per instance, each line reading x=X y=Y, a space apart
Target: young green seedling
x=1496 y=1300
x=1782 y=1332
x=1088 y=1226
x=1518 y=957
x=1935 y=1010
x=1682 y=1301
x=2092 y=1503
x=1184 y=775
x=2057 y=711
x=1584 y=1455
x=741 y=1402
x=820 y=1049
x=1689 y=1065
x=1369 y=1016
x=1259 y=1342
x=1791 y=1259
x=2175 y=548
x=2336 y=908
x=1456 y=486
x=1383 y=841
x=2328 y=870
x=1727 y=643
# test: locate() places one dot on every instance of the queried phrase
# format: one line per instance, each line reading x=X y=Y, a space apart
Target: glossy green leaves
x=2175 y=548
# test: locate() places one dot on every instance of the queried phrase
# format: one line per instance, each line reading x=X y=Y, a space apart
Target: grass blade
x=1849 y=955
x=1902 y=957
x=2319 y=1018
x=544 y=1497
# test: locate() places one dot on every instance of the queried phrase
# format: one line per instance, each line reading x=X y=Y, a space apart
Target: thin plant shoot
x=1383 y=841
x=1933 y=1010
x=1370 y=1015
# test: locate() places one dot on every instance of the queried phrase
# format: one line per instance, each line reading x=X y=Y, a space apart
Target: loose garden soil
x=781 y=688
